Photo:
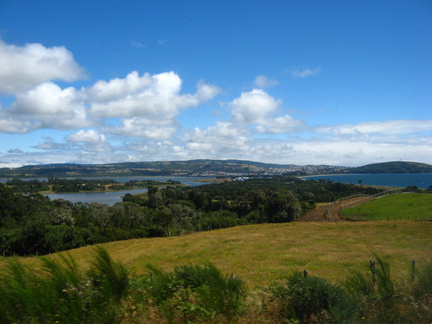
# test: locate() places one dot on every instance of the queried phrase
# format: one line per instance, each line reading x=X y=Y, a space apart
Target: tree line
x=32 y=224
x=60 y=185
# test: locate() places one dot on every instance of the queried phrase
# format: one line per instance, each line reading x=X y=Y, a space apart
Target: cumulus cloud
x=150 y=96
x=116 y=89
x=389 y=127
x=15 y=151
x=140 y=114
x=253 y=106
x=10 y=125
x=24 y=67
x=281 y=124
x=216 y=140
x=304 y=73
x=51 y=107
x=147 y=104
x=50 y=145
x=259 y=108
x=261 y=81
x=144 y=127
x=87 y=136
x=223 y=133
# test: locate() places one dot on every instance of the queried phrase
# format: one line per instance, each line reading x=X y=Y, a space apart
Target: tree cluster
x=33 y=224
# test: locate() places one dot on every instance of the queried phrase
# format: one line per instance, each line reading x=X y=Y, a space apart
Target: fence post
x=372 y=267
x=413 y=269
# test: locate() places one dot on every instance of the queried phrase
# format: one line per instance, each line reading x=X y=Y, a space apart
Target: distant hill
x=393 y=167
x=202 y=167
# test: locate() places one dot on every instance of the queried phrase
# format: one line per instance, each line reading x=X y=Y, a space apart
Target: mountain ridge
x=204 y=167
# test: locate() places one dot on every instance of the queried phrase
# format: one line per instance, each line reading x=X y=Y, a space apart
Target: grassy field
x=407 y=206
x=263 y=254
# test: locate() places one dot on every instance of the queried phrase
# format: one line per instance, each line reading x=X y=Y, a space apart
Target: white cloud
x=147 y=104
x=204 y=93
x=9 y=125
x=258 y=107
x=216 y=140
x=253 y=106
x=390 y=127
x=15 y=151
x=24 y=67
x=136 y=44
x=354 y=153
x=49 y=106
x=143 y=127
x=281 y=124
x=144 y=109
x=87 y=136
x=261 y=81
x=150 y=96
x=116 y=89
x=304 y=73
x=50 y=145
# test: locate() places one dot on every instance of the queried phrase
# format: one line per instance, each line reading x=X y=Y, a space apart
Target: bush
x=59 y=293
x=195 y=292
x=387 y=302
x=312 y=299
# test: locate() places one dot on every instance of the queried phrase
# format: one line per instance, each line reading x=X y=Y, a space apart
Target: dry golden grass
x=263 y=254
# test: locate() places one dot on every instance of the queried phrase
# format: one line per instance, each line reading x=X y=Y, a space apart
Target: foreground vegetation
x=108 y=292
x=264 y=253
x=405 y=206
x=31 y=224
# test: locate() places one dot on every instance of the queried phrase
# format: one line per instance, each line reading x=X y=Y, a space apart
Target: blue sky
x=305 y=82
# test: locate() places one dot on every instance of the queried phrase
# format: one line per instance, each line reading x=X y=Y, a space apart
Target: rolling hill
x=203 y=167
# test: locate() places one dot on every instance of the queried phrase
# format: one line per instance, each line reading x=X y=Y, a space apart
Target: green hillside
x=394 y=167
x=246 y=274
x=202 y=167
x=414 y=206
x=261 y=254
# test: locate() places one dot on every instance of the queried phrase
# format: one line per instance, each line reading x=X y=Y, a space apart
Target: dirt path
x=325 y=214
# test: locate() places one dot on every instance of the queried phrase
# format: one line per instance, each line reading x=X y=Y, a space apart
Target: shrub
x=389 y=302
x=309 y=299
x=423 y=285
x=195 y=292
x=110 y=277
x=59 y=293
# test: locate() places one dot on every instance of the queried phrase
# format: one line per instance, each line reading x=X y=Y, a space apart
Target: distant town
x=203 y=168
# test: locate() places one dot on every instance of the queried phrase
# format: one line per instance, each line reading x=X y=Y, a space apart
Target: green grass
x=261 y=254
x=406 y=206
x=190 y=281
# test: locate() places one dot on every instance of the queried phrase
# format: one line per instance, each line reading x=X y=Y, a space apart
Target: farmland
x=404 y=206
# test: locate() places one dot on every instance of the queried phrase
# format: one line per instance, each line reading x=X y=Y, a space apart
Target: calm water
x=420 y=180
x=111 y=198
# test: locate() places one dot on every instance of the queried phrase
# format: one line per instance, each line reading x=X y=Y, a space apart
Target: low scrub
x=309 y=299
x=57 y=291
x=194 y=292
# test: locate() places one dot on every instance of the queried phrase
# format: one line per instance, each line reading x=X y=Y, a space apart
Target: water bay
x=420 y=180
x=112 y=197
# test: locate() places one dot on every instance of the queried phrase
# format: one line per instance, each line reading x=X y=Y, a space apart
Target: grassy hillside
x=394 y=167
x=262 y=254
x=406 y=206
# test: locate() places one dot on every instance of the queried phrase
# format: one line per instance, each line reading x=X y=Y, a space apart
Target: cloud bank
x=138 y=117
